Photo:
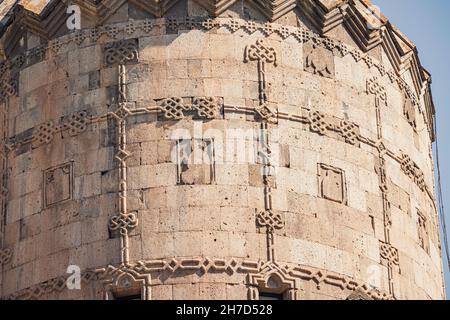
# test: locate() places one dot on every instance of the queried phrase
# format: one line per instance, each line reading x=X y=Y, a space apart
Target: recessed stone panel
x=58 y=184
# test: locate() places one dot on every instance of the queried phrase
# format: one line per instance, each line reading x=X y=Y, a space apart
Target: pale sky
x=426 y=23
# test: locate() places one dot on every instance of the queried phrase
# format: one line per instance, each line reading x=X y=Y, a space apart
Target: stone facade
x=215 y=150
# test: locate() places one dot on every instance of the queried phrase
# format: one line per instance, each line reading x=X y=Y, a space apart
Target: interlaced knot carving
x=121 y=52
x=389 y=254
x=206 y=107
x=318 y=122
x=76 y=123
x=271 y=220
x=266 y=113
x=261 y=52
x=412 y=171
x=173 y=108
x=378 y=90
x=45 y=133
x=349 y=131
x=123 y=222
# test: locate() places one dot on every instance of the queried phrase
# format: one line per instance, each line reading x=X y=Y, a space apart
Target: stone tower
x=205 y=149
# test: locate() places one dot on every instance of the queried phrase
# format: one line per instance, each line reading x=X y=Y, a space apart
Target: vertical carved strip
x=268 y=218
x=264 y=55
x=390 y=260
x=125 y=220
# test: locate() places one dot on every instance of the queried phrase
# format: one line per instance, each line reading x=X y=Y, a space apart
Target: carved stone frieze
x=177 y=108
x=258 y=272
x=121 y=52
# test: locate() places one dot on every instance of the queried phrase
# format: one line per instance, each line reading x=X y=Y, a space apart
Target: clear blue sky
x=427 y=24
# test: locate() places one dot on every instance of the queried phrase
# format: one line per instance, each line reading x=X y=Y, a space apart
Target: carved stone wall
x=199 y=158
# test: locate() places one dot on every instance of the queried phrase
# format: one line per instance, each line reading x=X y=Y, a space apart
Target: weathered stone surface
x=216 y=153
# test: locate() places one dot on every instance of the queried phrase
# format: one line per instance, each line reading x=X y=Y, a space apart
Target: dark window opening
x=128 y=297
x=270 y=296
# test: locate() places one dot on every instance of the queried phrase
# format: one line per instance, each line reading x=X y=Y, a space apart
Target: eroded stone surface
x=299 y=154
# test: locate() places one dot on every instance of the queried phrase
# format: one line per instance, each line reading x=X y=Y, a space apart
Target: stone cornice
x=420 y=95
x=47 y=20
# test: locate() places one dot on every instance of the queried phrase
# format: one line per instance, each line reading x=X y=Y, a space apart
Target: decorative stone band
x=177 y=108
x=255 y=270
x=5 y=256
x=413 y=171
x=73 y=124
x=162 y=25
x=8 y=88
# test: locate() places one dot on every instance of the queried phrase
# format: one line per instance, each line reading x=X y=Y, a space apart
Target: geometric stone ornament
x=412 y=170
x=74 y=124
x=272 y=279
x=263 y=54
x=375 y=88
x=349 y=132
x=332 y=184
x=58 y=184
x=318 y=122
x=389 y=254
x=176 y=108
x=121 y=52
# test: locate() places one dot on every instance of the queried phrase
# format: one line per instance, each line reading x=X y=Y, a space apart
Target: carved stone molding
x=321 y=123
x=123 y=281
x=257 y=272
x=412 y=170
x=73 y=124
x=177 y=108
x=274 y=279
x=263 y=54
x=301 y=34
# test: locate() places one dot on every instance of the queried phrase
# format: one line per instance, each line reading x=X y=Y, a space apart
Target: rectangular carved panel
x=332 y=184
x=422 y=228
x=195 y=161
x=58 y=184
x=319 y=61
